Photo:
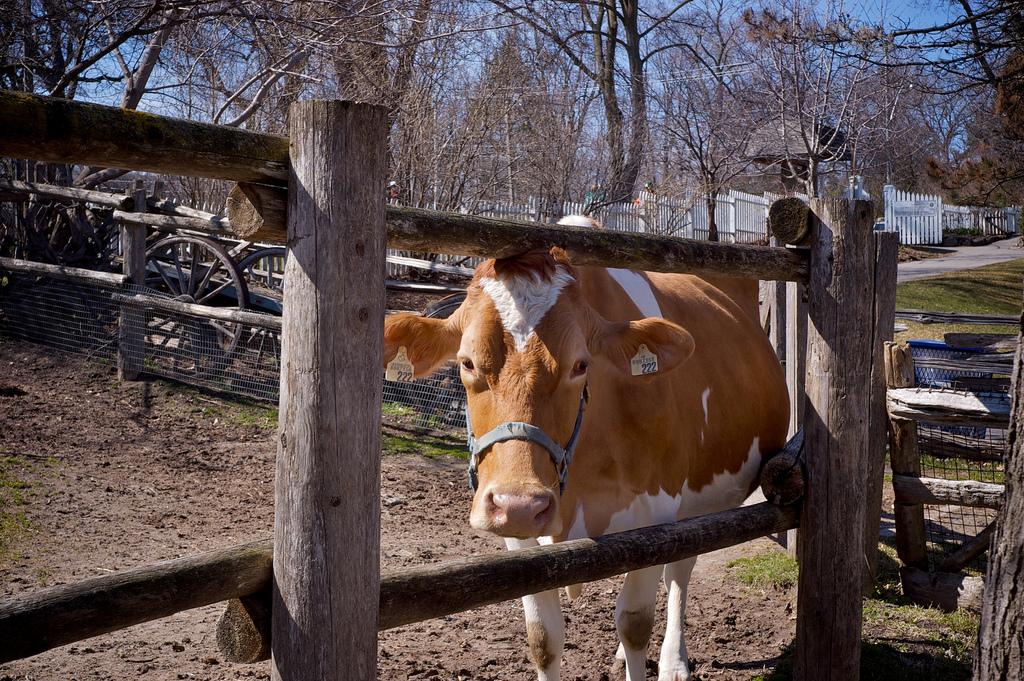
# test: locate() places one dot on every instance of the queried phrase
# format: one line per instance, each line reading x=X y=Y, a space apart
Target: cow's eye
x=579 y=368
x=467 y=364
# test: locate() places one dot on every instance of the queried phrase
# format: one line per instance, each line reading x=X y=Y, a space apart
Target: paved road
x=962 y=258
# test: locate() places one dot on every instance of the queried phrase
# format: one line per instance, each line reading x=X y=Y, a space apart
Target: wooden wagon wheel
x=263 y=270
x=194 y=269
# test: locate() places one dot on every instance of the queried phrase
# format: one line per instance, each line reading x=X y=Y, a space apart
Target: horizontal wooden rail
x=63 y=131
x=414 y=229
x=36 y=622
x=427 y=591
x=937 y=492
x=940 y=443
x=934 y=405
x=222 y=314
x=74 y=275
x=70 y=194
x=175 y=222
x=927 y=317
x=1001 y=363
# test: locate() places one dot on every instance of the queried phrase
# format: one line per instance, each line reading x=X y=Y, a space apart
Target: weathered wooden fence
x=327 y=593
x=953 y=416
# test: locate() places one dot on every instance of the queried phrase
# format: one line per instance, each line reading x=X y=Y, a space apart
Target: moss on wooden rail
x=63 y=131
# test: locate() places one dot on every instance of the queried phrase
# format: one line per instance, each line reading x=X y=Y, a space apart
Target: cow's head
x=526 y=341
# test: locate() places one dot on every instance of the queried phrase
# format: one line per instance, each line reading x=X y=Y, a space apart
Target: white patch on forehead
x=522 y=302
x=639 y=291
x=704 y=400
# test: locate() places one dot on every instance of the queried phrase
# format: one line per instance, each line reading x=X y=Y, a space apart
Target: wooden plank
x=927 y=317
x=416 y=287
x=413 y=229
x=414 y=594
x=174 y=222
x=109 y=200
x=943 y=405
x=886 y=258
x=327 y=491
x=970 y=550
x=421 y=264
x=35 y=622
x=943 y=445
x=224 y=314
x=1001 y=363
x=74 y=275
x=938 y=492
x=836 y=418
x=168 y=207
x=65 y=131
x=942 y=590
x=989 y=342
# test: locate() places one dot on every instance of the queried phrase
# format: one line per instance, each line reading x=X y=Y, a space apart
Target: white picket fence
x=740 y=217
x=921 y=219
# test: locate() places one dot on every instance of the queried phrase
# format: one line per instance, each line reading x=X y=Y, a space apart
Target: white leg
x=673 y=665
x=545 y=627
x=634 y=619
x=545 y=631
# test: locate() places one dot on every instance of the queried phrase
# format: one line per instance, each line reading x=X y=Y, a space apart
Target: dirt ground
x=122 y=475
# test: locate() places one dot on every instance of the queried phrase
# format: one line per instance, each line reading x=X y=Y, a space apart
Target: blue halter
x=517 y=430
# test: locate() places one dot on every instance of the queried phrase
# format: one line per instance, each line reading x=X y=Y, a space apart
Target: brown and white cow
x=534 y=337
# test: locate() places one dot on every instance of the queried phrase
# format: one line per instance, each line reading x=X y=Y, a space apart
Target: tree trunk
x=1000 y=652
x=712 y=203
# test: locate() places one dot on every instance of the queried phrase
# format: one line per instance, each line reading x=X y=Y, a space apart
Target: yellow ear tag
x=644 y=362
x=400 y=368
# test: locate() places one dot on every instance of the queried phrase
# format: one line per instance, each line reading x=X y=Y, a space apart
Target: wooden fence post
x=905 y=459
x=836 y=416
x=131 y=330
x=327 y=507
x=796 y=370
x=886 y=258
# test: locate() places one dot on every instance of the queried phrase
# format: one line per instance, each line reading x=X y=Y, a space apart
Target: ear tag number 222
x=644 y=362
x=400 y=368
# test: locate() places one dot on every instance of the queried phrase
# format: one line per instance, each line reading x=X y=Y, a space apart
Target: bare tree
x=700 y=96
x=611 y=43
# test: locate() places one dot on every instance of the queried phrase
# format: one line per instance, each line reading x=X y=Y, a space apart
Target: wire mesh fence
x=232 y=357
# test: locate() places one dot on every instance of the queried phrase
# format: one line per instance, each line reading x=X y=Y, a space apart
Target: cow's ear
x=428 y=342
x=643 y=348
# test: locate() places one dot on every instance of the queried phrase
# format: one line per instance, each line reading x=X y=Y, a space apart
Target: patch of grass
x=918 y=331
x=903 y=641
x=992 y=289
x=396 y=409
x=14 y=493
x=884 y=662
x=422 y=444
x=769 y=570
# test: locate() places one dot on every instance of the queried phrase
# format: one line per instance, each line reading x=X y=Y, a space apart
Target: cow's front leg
x=673 y=664
x=634 y=618
x=545 y=627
